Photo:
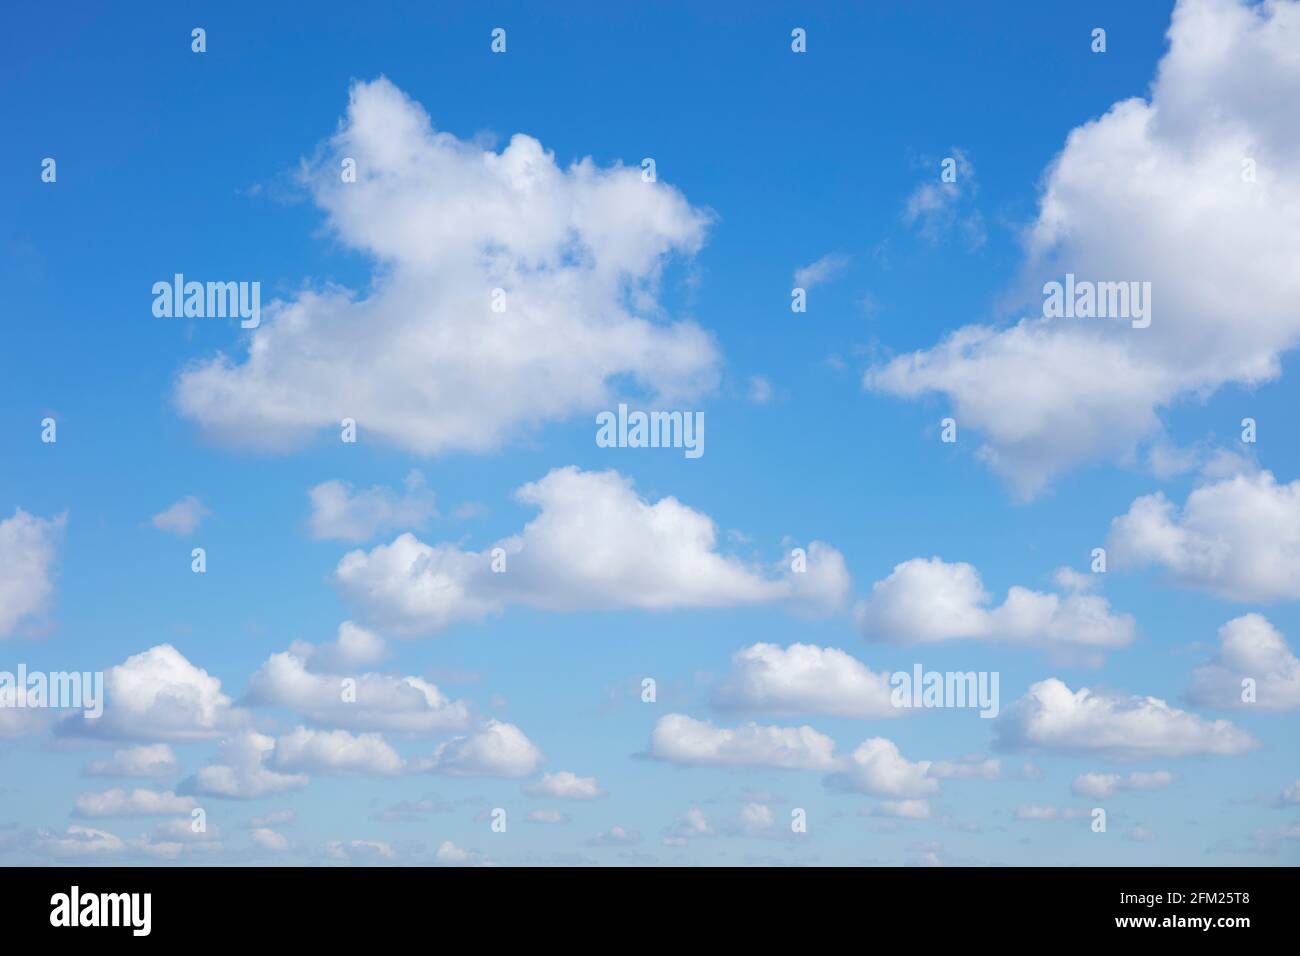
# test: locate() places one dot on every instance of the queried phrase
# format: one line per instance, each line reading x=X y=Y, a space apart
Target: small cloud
x=183 y=517
x=760 y=390
x=823 y=270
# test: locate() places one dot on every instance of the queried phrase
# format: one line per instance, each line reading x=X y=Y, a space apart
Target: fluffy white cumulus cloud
x=243 y=773
x=158 y=695
x=28 y=558
x=878 y=768
x=339 y=513
x=335 y=752
x=147 y=760
x=804 y=679
x=1157 y=190
x=497 y=749
x=377 y=702
x=928 y=599
x=422 y=360
x=596 y=544
x=1238 y=537
x=1051 y=717
x=565 y=785
x=136 y=803
x=683 y=740
x=1250 y=648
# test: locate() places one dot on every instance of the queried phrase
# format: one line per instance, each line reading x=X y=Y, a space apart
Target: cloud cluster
x=804 y=679
x=1190 y=191
x=927 y=600
x=1238 y=538
x=683 y=740
x=158 y=695
x=339 y=513
x=423 y=361
x=596 y=544
x=1053 y=718
x=1250 y=649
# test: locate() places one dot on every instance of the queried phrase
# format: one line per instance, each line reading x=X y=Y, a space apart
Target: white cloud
x=1152 y=191
x=803 y=679
x=760 y=390
x=596 y=544
x=1102 y=785
x=927 y=600
x=16 y=723
x=354 y=647
x=158 y=695
x=1052 y=717
x=547 y=816
x=877 y=768
x=564 y=785
x=934 y=207
x=78 y=841
x=497 y=750
x=578 y=253
x=137 y=803
x=181 y=830
x=693 y=823
x=756 y=818
x=340 y=514
x=243 y=774
x=147 y=760
x=408 y=705
x=615 y=836
x=269 y=839
x=184 y=517
x=1238 y=538
x=335 y=752
x=449 y=852
x=1036 y=811
x=683 y=740
x=361 y=851
x=28 y=557
x=823 y=270
x=1250 y=648
x=914 y=809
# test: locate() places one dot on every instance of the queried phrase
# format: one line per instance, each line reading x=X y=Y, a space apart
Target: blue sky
x=822 y=426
